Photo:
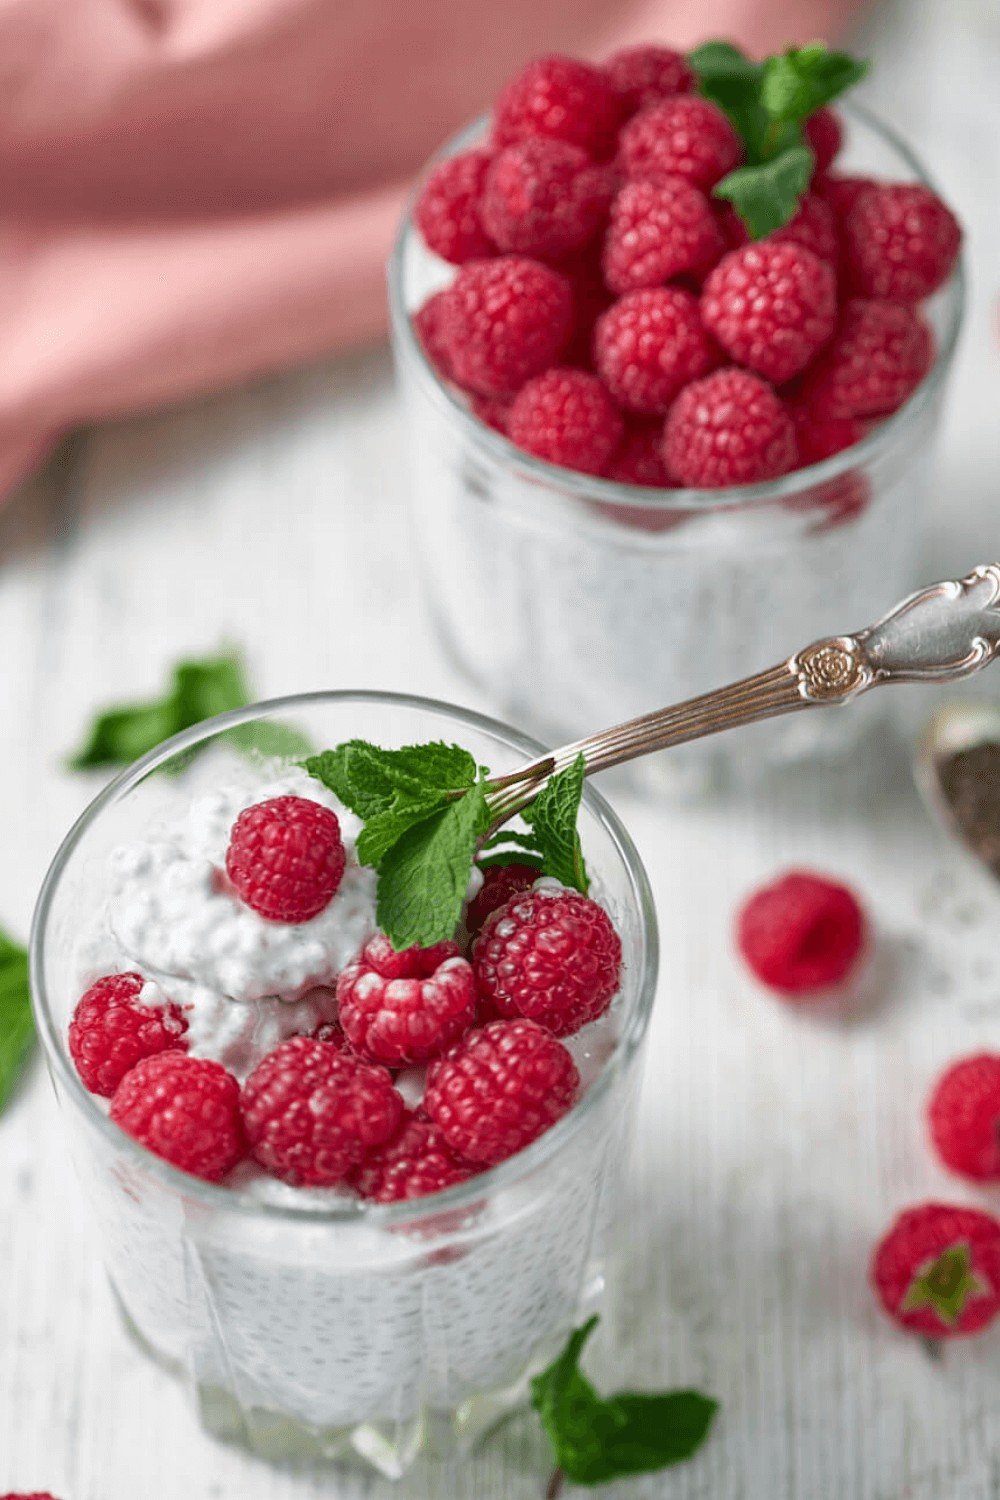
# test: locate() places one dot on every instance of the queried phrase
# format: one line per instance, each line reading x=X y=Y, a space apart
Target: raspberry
x=562 y=99
x=645 y=75
x=545 y=198
x=877 y=358
x=449 y=209
x=825 y=135
x=730 y=428
x=649 y=345
x=639 y=460
x=499 y=1089
x=568 y=418
x=772 y=307
x=901 y=242
x=286 y=858
x=802 y=934
x=427 y=327
x=821 y=437
x=112 y=1030
x=415 y=1162
x=937 y=1270
x=399 y=1008
x=682 y=137
x=590 y=298
x=554 y=958
x=492 y=411
x=185 y=1109
x=840 y=193
x=813 y=226
x=964 y=1117
x=499 y=885
x=659 y=230
x=312 y=1113
x=505 y=320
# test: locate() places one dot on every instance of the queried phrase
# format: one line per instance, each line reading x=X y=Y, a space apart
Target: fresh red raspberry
x=545 y=198
x=562 y=99
x=813 y=226
x=659 y=230
x=821 y=437
x=185 y=1109
x=112 y=1030
x=772 y=307
x=802 y=934
x=875 y=361
x=645 y=75
x=313 y=1113
x=730 y=428
x=937 y=1270
x=901 y=242
x=417 y=1161
x=427 y=327
x=499 y=885
x=449 y=209
x=286 y=858
x=825 y=135
x=682 y=137
x=649 y=345
x=400 y=1008
x=492 y=411
x=553 y=957
x=840 y=192
x=505 y=320
x=964 y=1117
x=566 y=417
x=499 y=1089
x=639 y=460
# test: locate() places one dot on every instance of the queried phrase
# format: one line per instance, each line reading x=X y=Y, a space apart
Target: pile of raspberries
x=610 y=315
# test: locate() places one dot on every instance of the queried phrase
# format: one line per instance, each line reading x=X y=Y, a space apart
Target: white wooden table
x=773 y=1149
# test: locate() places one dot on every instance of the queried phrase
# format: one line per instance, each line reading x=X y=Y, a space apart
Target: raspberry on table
x=802 y=934
x=545 y=198
x=417 y=1161
x=566 y=417
x=499 y=1089
x=659 y=230
x=553 y=957
x=313 y=1113
x=428 y=329
x=964 y=1117
x=639 y=460
x=651 y=344
x=686 y=136
x=503 y=321
x=825 y=135
x=901 y=242
x=402 y=1008
x=448 y=212
x=936 y=1271
x=878 y=356
x=645 y=75
x=286 y=858
x=729 y=428
x=185 y=1110
x=813 y=226
x=500 y=883
x=772 y=306
x=112 y=1030
x=561 y=99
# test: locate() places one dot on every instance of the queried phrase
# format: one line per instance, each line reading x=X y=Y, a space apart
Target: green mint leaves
x=17 y=1031
x=768 y=103
x=596 y=1440
x=427 y=815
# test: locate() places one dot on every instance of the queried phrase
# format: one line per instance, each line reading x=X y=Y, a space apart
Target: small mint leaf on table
x=800 y=81
x=424 y=876
x=17 y=1031
x=553 y=816
x=767 y=196
x=596 y=1440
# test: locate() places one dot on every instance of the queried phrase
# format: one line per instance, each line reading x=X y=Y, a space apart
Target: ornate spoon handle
x=943 y=632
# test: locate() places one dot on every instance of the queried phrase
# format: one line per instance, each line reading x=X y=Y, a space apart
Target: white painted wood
x=773 y=1147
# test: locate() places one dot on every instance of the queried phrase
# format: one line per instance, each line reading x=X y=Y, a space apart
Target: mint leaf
x=370 y=780
x=803 y=79
x=596 y=1440
x=384 y=829
x=345 y=772
x=731 y=80
x=553 y=816
x=424 y=876
x=17 y=1031
x=119 y=736
x=767 y=196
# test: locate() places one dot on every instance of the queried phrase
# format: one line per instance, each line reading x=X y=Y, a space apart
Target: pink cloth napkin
x=196 y=191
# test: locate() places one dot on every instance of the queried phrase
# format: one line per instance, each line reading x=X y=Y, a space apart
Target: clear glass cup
x=365 y=1330
x=574 y=603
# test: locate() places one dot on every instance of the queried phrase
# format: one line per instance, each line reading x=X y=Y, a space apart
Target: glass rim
x=611 y=493
x=409 y=1211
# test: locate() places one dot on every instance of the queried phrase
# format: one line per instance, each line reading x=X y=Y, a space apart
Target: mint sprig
x=768 y=103
x=597 y=1439
x=17 y=1031
x=553 y=816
